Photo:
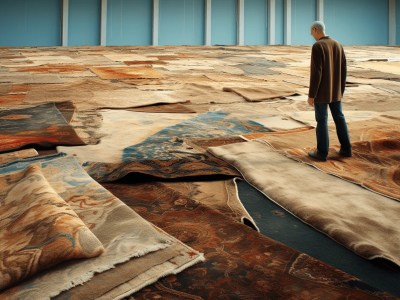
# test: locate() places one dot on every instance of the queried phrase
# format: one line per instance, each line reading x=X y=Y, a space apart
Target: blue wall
x=357 y=22
x=224 y=22
x=84 y=22
x=398 y=22
x=304 y=12
x=129 y=22
x=181 y=22
x=279 y=22
x=255 y=22
x=30 y=23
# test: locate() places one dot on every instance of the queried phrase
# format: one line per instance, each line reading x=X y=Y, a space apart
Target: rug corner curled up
x=361 y=220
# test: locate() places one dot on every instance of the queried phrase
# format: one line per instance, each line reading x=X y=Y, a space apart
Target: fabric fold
x=362 y=221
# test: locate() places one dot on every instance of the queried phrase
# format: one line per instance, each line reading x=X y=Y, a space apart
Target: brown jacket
x=328 y=71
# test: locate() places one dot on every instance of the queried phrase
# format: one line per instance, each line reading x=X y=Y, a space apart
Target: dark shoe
x=316 y=155
x=345 y=153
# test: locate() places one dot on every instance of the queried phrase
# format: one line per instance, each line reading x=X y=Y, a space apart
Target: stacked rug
x=75 y=217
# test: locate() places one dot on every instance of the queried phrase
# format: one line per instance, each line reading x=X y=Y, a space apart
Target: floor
x=266 y=84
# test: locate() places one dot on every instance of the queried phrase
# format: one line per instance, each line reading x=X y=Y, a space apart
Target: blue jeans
x=321 y=116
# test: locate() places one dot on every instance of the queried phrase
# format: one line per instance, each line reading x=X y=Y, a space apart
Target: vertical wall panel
x=182 y=22
x=303 y=14
x=255 y=22
x=280 y=22
x=357 y=22
x=129 y=22
x=398 y=22
x=224 y=22
x=30 y=23
x=84 y=22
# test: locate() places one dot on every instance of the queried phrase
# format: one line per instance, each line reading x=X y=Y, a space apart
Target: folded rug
x=221 y=195
x=123 y=233
x=38 y=229
x=129 y=277
x=363 y=221
x=41 y=125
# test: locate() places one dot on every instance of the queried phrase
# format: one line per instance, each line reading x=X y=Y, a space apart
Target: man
x=327 y=84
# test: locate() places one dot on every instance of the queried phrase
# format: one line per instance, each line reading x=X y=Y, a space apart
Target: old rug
x=362 y=221
x=257 y=94
x=38 y=229
x=42 y=125
x=221 y=195
x=240 y=262
x=165 y=153
x=375 y=164
x=14 y=155
x=122 y=232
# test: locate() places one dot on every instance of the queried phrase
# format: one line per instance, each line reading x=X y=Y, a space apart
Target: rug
x=374 y=165
x=120 y=129
x=41 y=125
x=93 y=93
x=278 y=224
x=205 y=93
x=360 y=220
x=308 y=117
x=164 y=108
x=130 y=237
x=38 y=228
x=168 y=143
x=129 y=97
x=123 y=72
x=12 y=156
x=127 y=278
x=165 y=153
x=240 y=262
x=254 y=94
x=221 y=195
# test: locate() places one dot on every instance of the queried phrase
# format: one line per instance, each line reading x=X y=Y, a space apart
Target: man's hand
x=310 y=101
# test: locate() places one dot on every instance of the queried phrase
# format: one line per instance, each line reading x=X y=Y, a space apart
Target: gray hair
x=319 y=25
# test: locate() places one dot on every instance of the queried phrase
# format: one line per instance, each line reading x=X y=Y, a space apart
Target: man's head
x=317 y=30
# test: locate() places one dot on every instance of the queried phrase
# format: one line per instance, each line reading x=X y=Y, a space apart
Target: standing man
x=327 y=84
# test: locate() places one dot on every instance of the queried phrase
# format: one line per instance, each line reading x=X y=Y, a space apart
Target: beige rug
x=374 y=165
x=364 y=222
x=121 y=129
x=259 y=94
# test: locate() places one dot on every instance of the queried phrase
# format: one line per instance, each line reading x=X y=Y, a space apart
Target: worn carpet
x=165 y=153
x=240 y=262
x=221 y=195
x=14 y=155
x=42 y=125
x=362 y=221
x=38 y=229
x=375 y=164
x=130 y=237
x=259 y=94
